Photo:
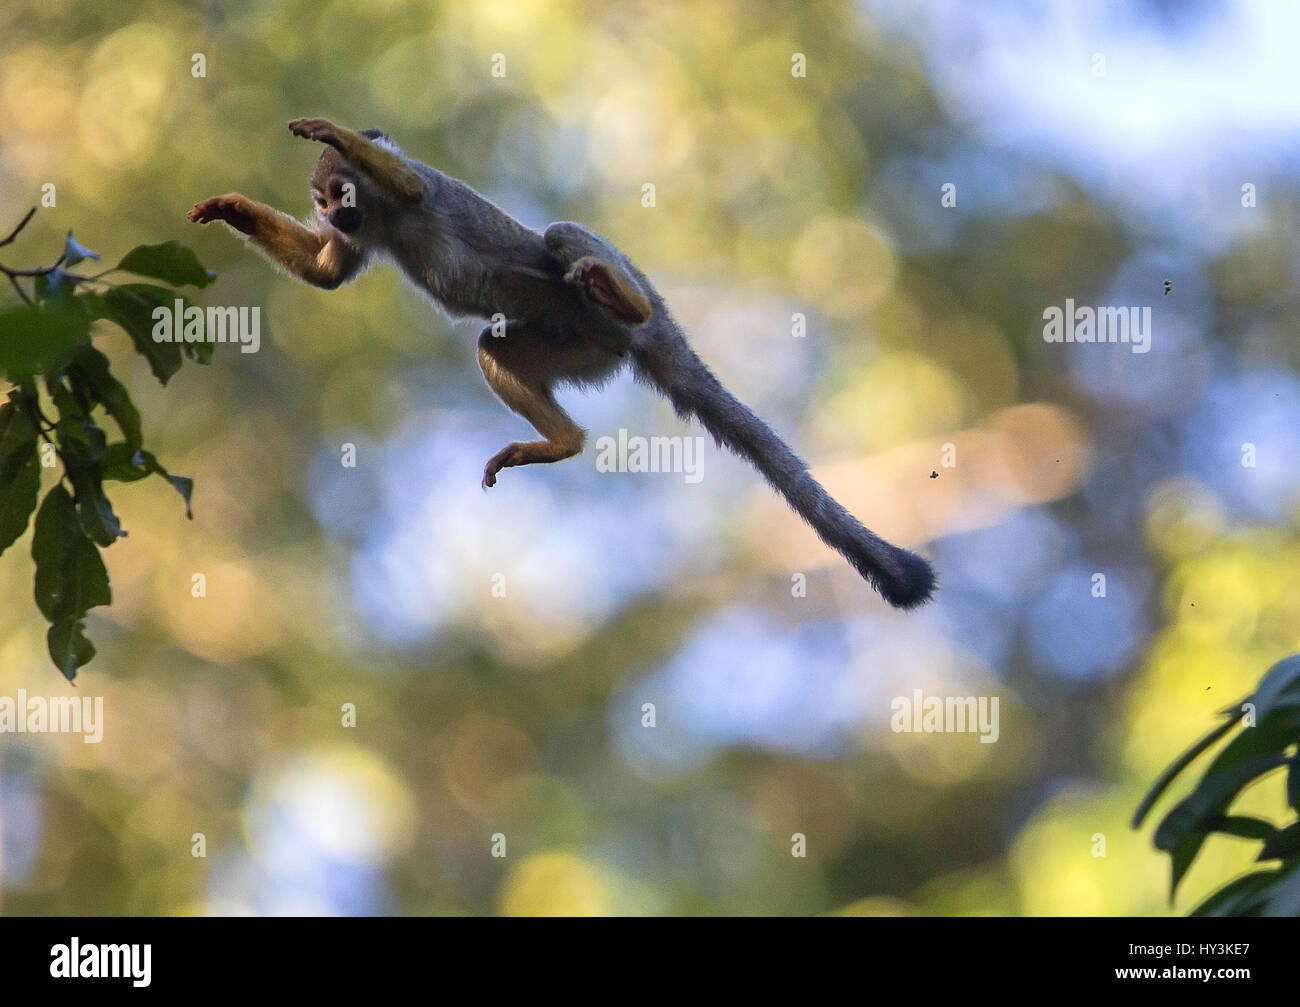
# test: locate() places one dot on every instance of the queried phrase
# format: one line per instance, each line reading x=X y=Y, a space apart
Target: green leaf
x=1243 y=897
x=1243 y=826
x=200 y=353
x=91 y=370
x=1279 y=687
x=170 y=262
x=70 y=578
x=95 y=510
x=1284 y=899
x=82 y=447
x=123 y=465
x=20 y=472
x=1254 y=752
x=1284 y=843
x=1184 y=830
x=131 y=306
x=1271 y=735
x=68 y=646
x=183 y=485
x=1178 y=765
x=17 y=435
x=18 y=499
x=55 y=285
x=41 y=339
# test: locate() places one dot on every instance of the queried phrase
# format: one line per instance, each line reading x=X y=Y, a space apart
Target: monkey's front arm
x=389 y=171
x=324 y=258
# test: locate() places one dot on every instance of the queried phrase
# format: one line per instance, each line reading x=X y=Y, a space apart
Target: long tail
x=668 y=363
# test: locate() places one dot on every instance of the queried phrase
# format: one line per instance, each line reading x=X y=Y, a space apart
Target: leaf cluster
x=1265 y=733
x=53 y=417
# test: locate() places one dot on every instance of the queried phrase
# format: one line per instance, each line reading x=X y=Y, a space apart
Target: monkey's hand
x=321 y=130
x=388 y=170
x=232 y=208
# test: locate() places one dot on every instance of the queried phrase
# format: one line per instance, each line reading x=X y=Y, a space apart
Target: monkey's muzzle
x=346 y=218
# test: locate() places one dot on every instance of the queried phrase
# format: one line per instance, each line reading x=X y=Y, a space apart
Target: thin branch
x=21 y=224
x=43 y=271
x=13 y=274
x=21 y=292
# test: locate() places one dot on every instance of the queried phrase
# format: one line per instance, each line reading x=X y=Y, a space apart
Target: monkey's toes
x=608 y=290
x=503 y=459
x=495 y=464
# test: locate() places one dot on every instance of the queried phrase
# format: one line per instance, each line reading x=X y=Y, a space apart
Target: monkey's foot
x=507 y=457
x=321 y=130
x=606 y=287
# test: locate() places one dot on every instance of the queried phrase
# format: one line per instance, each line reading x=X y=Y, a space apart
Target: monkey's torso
x=476 y=260
x=472 y=257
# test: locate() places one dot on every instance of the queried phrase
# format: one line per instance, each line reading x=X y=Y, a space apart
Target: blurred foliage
x=1270 y=733
x=49 y=335
x=370 y=589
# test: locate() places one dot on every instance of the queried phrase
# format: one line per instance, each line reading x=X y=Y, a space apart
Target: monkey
x=569 y=309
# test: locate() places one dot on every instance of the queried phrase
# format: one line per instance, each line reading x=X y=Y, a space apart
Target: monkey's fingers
x=321 y=130
x=607 y=288
x=205 y=212
x=232 y=209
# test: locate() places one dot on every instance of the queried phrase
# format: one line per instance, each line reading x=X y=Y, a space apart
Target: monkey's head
x=344 y=198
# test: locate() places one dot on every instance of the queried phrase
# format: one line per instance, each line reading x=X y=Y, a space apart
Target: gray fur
x=474 y=259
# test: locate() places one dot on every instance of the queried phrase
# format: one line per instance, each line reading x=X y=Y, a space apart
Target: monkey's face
x=339 y=193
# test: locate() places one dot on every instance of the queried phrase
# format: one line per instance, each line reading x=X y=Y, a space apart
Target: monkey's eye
x=320 y=201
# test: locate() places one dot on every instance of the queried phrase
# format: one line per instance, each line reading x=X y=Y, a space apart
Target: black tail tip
x=910 y=583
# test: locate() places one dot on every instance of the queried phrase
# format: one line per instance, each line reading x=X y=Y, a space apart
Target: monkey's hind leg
x=597 y=269
x=514 y=368
x=608 y=288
